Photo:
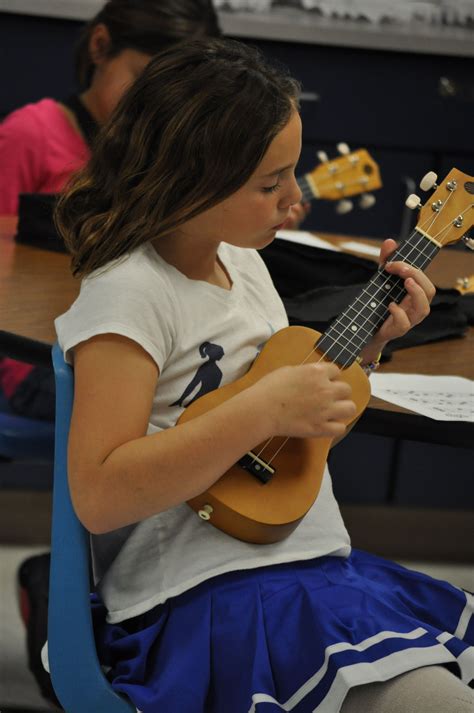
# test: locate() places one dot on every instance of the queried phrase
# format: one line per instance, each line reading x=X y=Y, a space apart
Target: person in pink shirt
x=43 y=143
x=39 y=149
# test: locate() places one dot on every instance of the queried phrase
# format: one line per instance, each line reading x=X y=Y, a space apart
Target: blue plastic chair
x=77 y=677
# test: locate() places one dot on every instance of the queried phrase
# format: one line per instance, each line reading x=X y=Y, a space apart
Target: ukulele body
x=239 y=503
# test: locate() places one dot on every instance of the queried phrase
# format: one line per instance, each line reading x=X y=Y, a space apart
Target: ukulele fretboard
x=352 y=330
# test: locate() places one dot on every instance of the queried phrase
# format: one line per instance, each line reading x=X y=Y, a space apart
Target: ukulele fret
x=417 y=250
x=305 y=188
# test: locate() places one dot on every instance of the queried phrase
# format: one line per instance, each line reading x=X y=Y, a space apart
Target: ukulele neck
x=354 y=328
x=306 y=189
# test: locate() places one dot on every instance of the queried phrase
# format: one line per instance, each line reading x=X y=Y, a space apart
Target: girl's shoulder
x=130 y=296
x=137 y=271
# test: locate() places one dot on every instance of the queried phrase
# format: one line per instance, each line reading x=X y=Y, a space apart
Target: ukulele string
x=436 y=215
x=393 y=288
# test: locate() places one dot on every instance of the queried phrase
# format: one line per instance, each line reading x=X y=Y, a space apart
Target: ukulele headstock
x=351 y=174
x=448 y=215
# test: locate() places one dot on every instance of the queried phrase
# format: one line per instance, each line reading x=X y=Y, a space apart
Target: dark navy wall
x=36 y=59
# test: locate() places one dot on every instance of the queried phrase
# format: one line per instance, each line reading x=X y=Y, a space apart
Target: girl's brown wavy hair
x=188 y=133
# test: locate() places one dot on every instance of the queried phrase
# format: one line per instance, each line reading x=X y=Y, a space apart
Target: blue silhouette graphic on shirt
x=208 y=376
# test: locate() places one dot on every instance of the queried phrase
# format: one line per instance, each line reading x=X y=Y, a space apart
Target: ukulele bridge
x=255 y=465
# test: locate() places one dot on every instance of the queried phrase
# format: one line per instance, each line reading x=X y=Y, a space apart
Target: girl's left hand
x=413 y=308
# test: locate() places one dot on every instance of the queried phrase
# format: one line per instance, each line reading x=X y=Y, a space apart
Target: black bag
x=35 y=222
x=33 y=578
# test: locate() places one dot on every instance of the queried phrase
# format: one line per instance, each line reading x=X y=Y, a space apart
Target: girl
x=192 y=175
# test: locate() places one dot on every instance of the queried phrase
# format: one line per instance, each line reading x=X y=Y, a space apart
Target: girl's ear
x=99 y=44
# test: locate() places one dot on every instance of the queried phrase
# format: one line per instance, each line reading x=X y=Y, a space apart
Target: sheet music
x=305 y=238
x=443 y=398
x=356 y=246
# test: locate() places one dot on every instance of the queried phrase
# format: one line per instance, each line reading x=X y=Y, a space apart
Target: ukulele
x=266 y=494
x=338 y=179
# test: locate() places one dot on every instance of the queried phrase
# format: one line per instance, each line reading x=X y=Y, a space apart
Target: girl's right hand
x=306 y=401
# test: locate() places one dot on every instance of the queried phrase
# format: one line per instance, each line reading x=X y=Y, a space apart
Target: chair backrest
x=77 y=677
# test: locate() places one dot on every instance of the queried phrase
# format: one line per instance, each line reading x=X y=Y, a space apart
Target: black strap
x=86 y=121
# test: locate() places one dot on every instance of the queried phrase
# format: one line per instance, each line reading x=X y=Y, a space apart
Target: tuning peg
x=366 y=200
x=343 y=149
x=462 y=283
x=322 y=156
x=468 y=242
x=429 y=181
x=413 y=201
x=344 y=206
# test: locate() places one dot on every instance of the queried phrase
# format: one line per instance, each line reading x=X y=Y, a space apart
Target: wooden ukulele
x=264 y=496
x=339 y=179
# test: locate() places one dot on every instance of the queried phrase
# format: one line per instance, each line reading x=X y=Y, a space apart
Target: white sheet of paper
x=360 y=248
x=305 y=238
x=443 y=398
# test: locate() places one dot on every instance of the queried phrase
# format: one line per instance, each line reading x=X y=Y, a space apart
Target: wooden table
x=36 y=286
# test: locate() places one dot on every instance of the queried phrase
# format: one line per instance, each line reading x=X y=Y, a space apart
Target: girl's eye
x=271 y=189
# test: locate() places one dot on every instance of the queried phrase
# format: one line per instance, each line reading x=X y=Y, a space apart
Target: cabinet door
x=438 y=476
x=400 y=171
x=36 y=59
x=391 y=99
x=361 y=467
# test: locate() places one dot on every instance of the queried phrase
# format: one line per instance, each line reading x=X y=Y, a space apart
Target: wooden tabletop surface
x=35 y=287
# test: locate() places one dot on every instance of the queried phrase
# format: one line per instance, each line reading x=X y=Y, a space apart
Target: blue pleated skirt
x=292 y=637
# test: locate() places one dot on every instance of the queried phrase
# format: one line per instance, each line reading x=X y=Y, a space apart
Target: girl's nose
x=292 y=195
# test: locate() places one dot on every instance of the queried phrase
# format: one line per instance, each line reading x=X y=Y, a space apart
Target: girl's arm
x=119 y=475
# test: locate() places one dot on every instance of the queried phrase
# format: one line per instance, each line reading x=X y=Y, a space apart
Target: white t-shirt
x=201 y=336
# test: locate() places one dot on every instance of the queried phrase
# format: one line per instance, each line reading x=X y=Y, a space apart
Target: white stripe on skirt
x=330 y=650
x=465 y=617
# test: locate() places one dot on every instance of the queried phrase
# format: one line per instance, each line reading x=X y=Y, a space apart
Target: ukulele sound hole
x=259 y=468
